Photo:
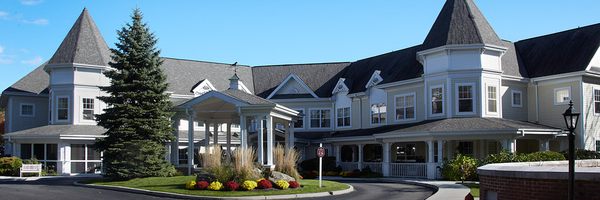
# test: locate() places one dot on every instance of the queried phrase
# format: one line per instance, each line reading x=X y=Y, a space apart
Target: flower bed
x=247 y=185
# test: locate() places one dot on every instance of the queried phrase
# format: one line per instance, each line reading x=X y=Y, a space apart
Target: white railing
x=374 y=166
x=412 y=170
x=349 y=166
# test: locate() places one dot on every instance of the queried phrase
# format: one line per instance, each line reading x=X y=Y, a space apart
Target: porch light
x=571 y=119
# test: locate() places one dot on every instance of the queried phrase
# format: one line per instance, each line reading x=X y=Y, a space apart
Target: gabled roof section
x=319 y=77
x=287 y=81
x=36 y=82
x=460 y=22
x=340 y=86
x=202 y=87
x=375 y=79
x=83 y=44
x=563 y=52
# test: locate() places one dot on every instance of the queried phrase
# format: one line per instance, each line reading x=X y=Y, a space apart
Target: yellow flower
x=249 y=185
x=215 y=185
x=282 y=184
x=190 y=185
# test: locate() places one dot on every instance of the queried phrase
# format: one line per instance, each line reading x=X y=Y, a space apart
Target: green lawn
x=176 y=185
x=474 y=188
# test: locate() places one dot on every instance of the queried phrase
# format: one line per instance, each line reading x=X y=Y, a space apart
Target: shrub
x=190 y=185
x=545 y=156
x=249 y=185
x=285 y=161
x=265 y=184
x=294 y=184
x=582 y=154
x=309 y=174
x=282 y=184
x=232 y=186
x=331 y=173
x=460 y=168
x=215 y=186
x=9 y=166
x=202 y=185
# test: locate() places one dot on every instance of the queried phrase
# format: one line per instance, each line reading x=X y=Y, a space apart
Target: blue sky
x=266 y=32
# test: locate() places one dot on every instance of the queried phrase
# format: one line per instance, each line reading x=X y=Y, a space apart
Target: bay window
x=465 y=98
x=88 y=108
x=437 y=100
x=62 y=108
x=492 y=99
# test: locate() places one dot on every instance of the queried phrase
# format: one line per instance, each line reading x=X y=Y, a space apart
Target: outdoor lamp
x=571 y=119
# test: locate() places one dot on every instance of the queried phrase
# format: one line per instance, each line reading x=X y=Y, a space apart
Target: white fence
x=412 y=170
x=374 y=166
x=349 y=166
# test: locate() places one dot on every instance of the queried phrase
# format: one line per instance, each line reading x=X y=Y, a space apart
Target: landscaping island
x=177 y=185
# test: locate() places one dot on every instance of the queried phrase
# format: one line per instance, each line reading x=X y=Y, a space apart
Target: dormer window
x=375 y=79
x=202 y=87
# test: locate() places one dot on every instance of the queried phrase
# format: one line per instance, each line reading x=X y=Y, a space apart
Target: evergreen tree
x=138 y=114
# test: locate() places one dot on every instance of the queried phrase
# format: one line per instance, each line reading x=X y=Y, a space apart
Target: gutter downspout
x=537 y=104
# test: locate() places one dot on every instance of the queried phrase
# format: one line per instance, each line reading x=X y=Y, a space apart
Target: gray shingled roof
x=182 y=74
x=511 y=63
x=248 y=98
x=83 y=44
x=460 y=22
x=59 y=130
x=563 y=52
x=35 y=82
x=319 y=77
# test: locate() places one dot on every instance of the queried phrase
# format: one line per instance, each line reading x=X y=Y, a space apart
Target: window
x=406 y=152
x=378 y=113
x=465 y=98
x=465 y=148
x=437 y=100
x=492 y=99
x=562 y=95
x=598 y=146
x=343 y=117
x=46 y=154
x=62 y=108
x=517 y=98
x=27 y=110
x=88 y=108
x=320 y=118
x=300 y=122
x=596 y=101
x=405 y=107
x=85 y=159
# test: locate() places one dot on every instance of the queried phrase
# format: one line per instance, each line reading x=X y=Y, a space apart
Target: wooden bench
x=31 y=168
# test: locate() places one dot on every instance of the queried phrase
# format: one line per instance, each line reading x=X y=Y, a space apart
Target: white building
x=463 y=90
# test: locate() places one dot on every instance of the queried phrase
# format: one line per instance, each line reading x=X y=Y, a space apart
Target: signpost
x=320 y=154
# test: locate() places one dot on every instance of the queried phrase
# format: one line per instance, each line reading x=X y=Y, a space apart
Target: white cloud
x=1 y=49
x=41 y=21
x=3 y=15
x=35 y=61
x=31 y=2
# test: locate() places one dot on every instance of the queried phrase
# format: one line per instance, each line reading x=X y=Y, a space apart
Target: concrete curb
x=184 y=196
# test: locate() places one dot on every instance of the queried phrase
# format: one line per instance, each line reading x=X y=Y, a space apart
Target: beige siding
x=551 y=114
x=417 y=89
x=306 y=106
x=508 y=110
x=19 y=122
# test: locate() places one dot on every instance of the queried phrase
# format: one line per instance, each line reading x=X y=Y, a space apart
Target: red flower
x=265 y=184
x=232 y=186
x=294 y=184
x=202 y=185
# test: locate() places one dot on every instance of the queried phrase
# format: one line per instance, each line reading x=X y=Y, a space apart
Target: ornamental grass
x=285 y=161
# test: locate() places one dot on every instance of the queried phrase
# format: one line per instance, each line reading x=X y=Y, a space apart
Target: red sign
x=321 y=152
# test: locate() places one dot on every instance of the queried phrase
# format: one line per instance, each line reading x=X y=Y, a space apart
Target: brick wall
x=508 y=188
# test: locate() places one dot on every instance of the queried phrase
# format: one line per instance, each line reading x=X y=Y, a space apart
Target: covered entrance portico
x=248 y=114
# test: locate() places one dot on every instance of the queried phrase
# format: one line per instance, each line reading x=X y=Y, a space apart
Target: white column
x=545 y=145
x=216 y=134
x=190 y=150
x=229 y=141
x=360 y=156
x=260 y=144
x=175 y=143
x=338 y=154
x=287 y=135
x=431 y=165
x=510 y=145
x=292 y=138
x=270 y=142
x=385 y=166
x=243 y=132
x=440 y=158
x=206 y=136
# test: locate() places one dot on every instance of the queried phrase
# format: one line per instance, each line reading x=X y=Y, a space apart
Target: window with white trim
x=343 y=117
x=62 y=108
x=492 y=99
x=517 y=98
x=27 y=110
x=46 y=154
x=88 y=108
x=405 y=107
x=85 y=159
x=465 y=98
x=598 y=146
x=437 y=100
x=378 y=113
x=300 y=122
x=562 y=95
x=465 y=148
x=596 y=101
x=320 y=118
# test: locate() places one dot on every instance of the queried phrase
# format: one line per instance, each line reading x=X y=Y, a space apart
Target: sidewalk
x=442 y=189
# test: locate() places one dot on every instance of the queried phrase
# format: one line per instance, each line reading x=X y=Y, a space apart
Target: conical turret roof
x=83 y=44
x=461 y=22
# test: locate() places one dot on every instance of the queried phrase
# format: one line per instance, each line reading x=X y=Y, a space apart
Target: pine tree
x=138 y=114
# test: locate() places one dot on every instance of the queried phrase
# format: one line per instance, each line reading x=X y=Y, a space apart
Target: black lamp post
x=571 y=119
